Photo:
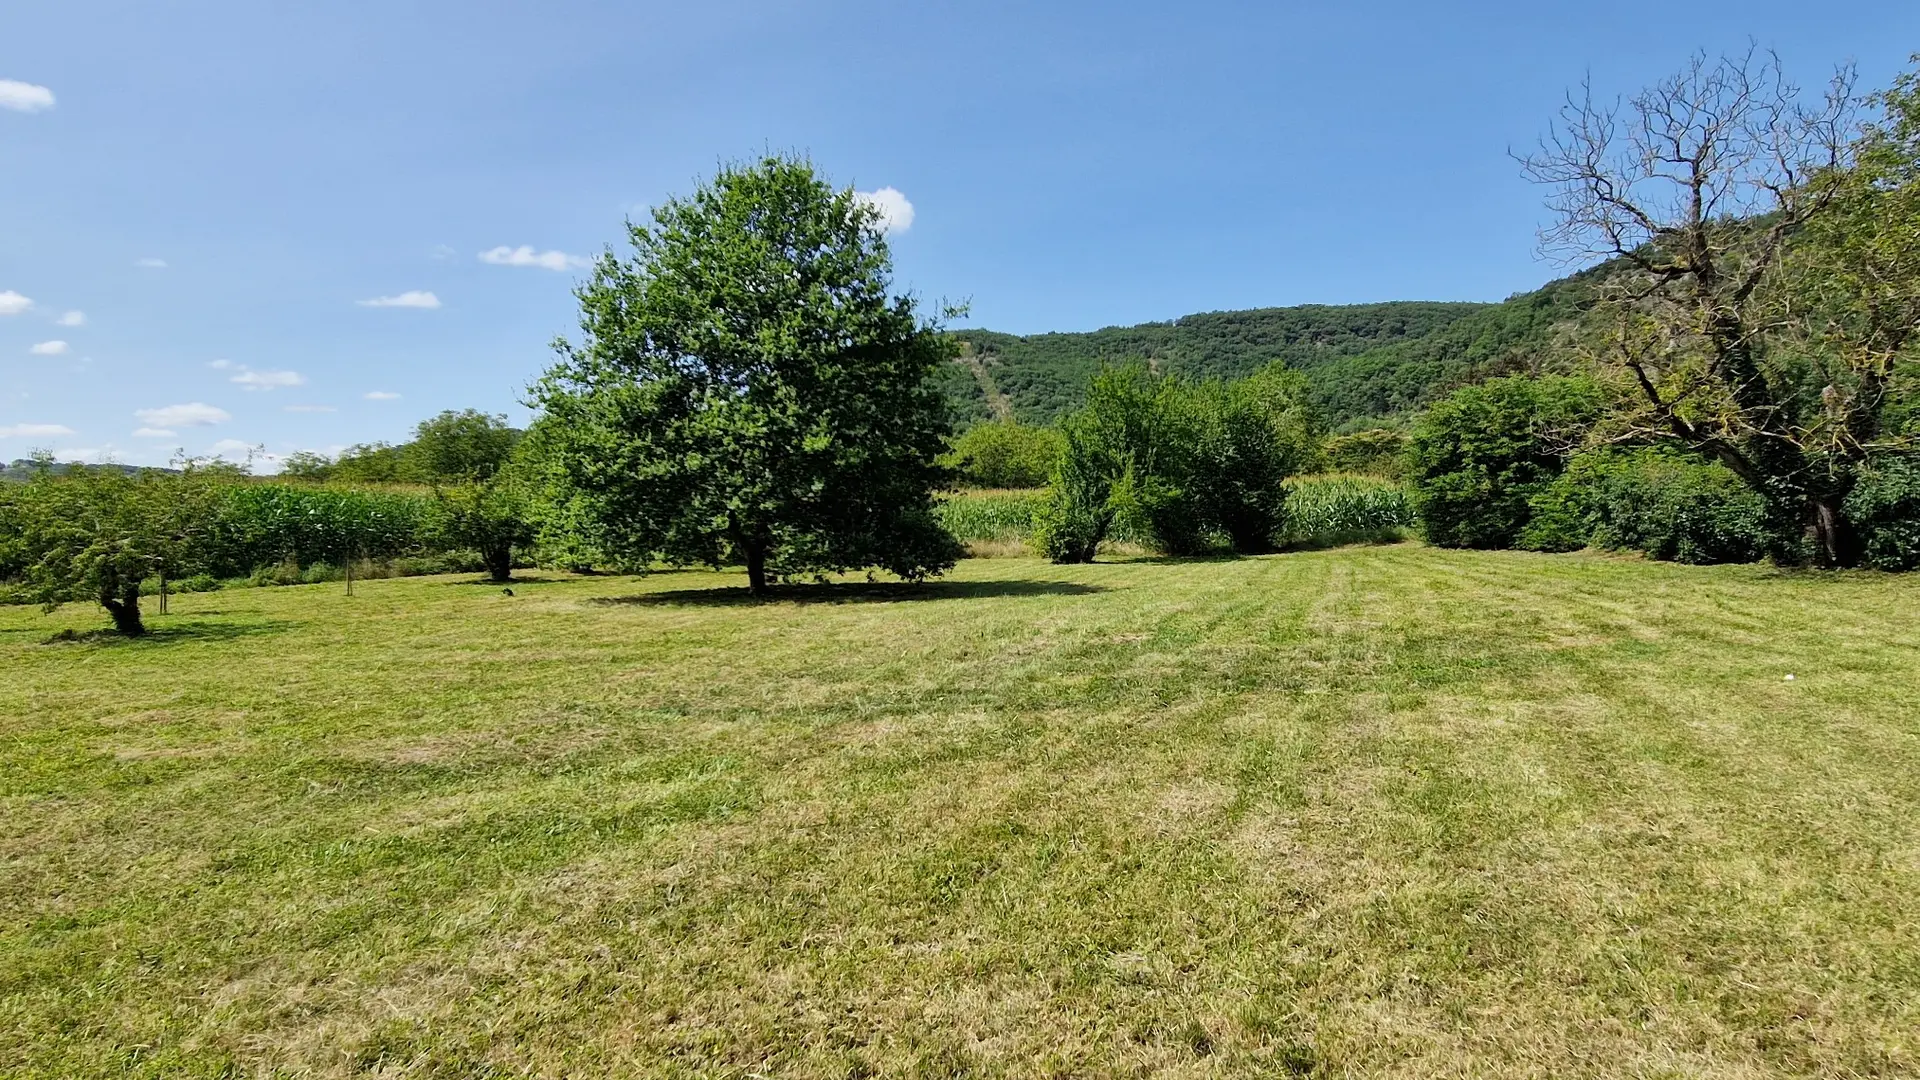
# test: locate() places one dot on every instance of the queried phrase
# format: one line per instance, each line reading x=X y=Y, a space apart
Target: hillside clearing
x=1383 y=811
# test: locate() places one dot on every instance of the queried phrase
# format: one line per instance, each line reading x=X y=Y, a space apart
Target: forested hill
x=1362 y=360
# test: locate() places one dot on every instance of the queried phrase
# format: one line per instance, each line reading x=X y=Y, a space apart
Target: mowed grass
x=1381 y=811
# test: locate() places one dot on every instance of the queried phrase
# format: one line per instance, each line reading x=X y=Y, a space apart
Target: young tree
x=468 y=457
x=748 y=392
x=1125 y=459
x=1006 y=454
x=1697 y=187
x=98 y=533
x=1254 y=434
x=1181 y=461
x=307 y=465
x=490 y=516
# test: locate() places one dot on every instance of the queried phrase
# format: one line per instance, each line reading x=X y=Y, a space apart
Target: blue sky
x=219 y=190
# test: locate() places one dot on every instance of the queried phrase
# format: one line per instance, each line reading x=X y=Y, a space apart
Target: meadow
x=1384 y=810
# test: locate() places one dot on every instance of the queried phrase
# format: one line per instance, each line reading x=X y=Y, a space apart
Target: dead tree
x=1694 y=189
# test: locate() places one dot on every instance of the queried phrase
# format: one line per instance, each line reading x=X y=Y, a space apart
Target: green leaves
x=748 y=391
x=1179 y=462
x=1476 y=457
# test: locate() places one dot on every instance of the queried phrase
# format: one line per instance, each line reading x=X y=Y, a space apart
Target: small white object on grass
x=1789 y=678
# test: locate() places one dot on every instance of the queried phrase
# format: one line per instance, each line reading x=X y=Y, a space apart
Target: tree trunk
x=499 y=562
x=756 y=569
x=125 y=609
x=1832 y=532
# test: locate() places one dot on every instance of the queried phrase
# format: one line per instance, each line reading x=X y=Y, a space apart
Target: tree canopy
x=749 y=390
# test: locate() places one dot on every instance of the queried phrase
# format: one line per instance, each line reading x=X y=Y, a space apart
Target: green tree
x=463 y=444
x=1006 y=454
x=1853 y=278
x=749 y=392
x=1253 y=434
x=369 y=463
x=96 y=534
x=1475 y=459
x=491 y=516
x=1125 y=457
x=1373 y=452
x=307 y=465
x=1179 y=462
x=468 y=457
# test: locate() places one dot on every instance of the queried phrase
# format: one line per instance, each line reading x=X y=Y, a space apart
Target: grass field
x=1375 y=811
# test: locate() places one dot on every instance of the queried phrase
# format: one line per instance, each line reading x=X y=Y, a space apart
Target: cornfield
x=1342 y=508
x=1000 y=514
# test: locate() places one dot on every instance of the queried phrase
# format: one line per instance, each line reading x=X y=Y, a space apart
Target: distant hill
x=1364 y=362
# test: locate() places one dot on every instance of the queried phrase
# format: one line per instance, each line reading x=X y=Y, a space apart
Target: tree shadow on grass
x=1173 y=560
x=511 y=583
x=855 y=592
x=171 y=632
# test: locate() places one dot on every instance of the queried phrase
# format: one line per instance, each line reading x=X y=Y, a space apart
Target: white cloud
x=24 y=97
x=154 y=433
x=896 y=213
x=413 y=299
x=151 y=263
x=382 y=395
x=230 y=446
x=308 y=408
x=193 y=414
x=72 y=318
x=268 y=380
x=441 y=253
x=12 y=303
x=34 y=431
x=49 y=348
x=526 y=256
x=221 y=365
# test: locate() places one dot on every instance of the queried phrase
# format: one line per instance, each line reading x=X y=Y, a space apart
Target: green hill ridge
x=1366 y=363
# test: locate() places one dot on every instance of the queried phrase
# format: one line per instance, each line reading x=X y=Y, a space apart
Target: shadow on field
x=170 y=633
x=1177 y=560
x=512 y=583
x=856 y=593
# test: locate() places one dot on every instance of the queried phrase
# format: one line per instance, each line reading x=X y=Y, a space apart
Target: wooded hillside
x=1364 y=362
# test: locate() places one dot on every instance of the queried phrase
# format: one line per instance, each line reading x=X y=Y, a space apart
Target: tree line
x=1733 y=379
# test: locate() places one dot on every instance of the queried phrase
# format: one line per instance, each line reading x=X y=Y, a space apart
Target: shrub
x=1477 y=457
x=1183 y=466
x=1884 y=506
x=1122 y=449
x=1005 y=454
x=1326 y=510
x=1651 y=500
x=1253 y=435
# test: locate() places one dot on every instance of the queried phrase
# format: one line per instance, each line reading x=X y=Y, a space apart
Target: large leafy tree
x=750 y=391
